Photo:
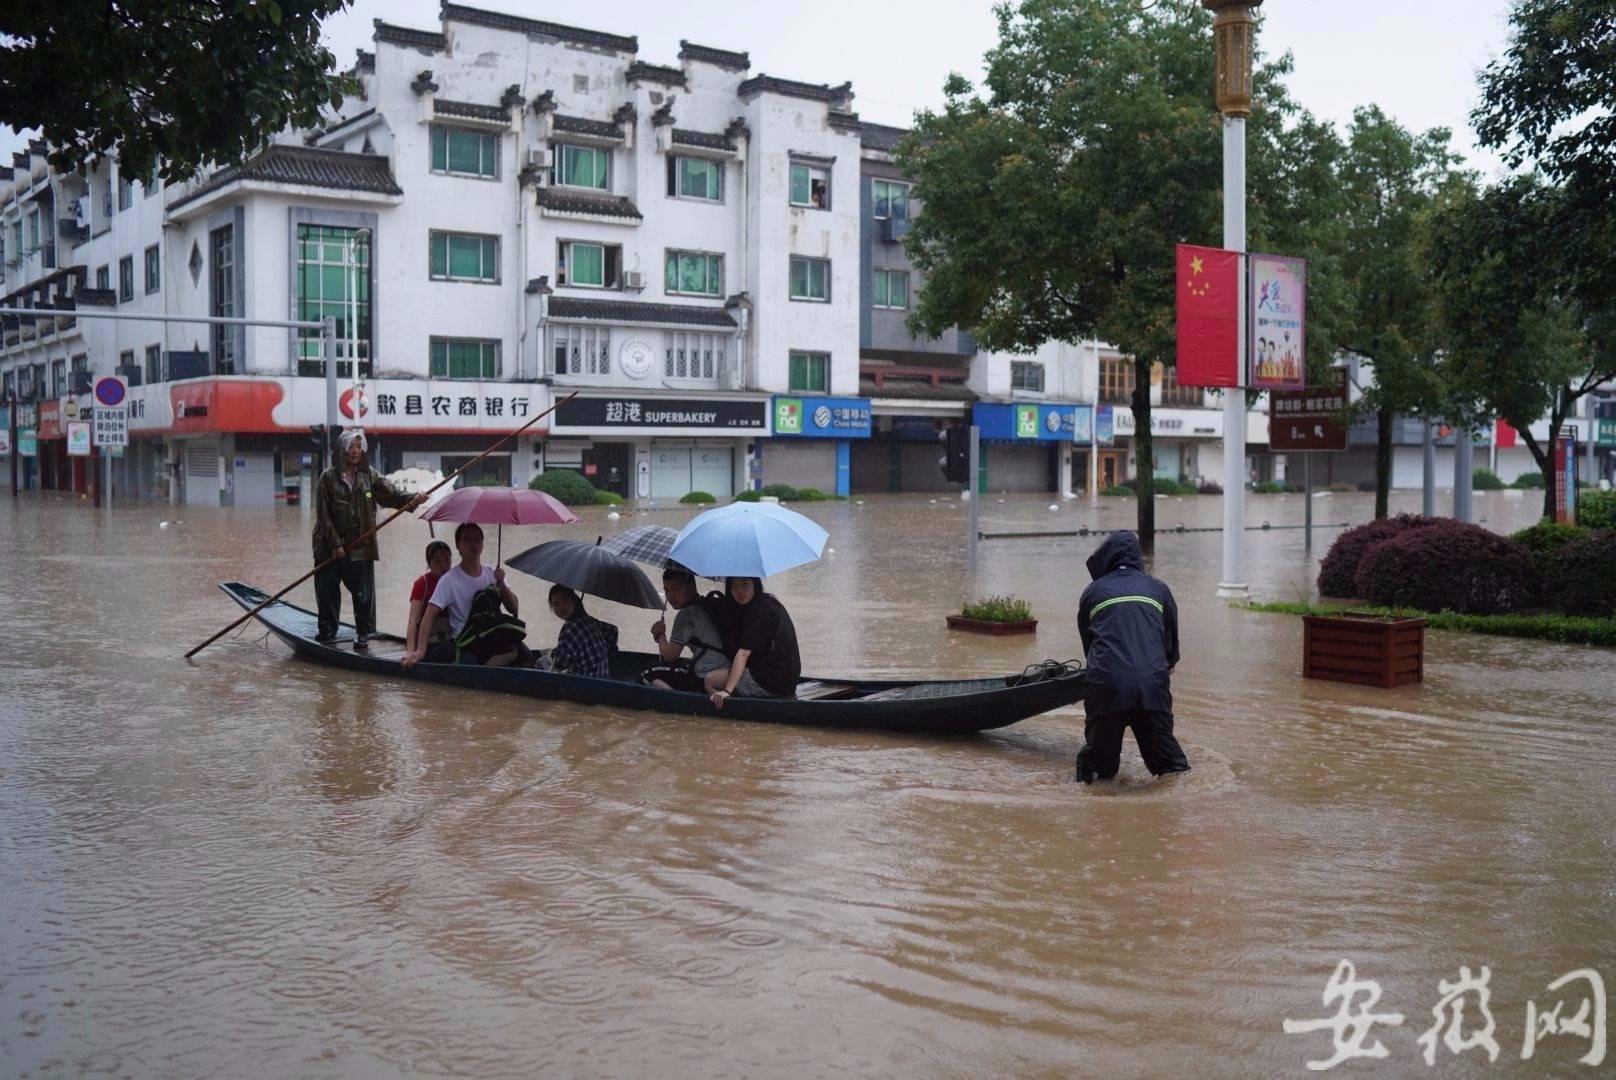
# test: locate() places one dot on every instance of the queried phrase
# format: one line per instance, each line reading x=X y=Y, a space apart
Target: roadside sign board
x=1308 y=419
x=1565 y=480
x=78 y=438
x=5 y=440
x=27 y=442
x=111 y=411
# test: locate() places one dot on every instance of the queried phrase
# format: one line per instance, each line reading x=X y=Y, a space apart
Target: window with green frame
x=323 y=281
x=465 y=152
x=810 y=372
x=810 y=279
x=695 y=178
x=890 y=289
x=464 y=257
x=588 y=265
x=584 y=166
x=810 y=186
x=464 y=358
x=696 y=273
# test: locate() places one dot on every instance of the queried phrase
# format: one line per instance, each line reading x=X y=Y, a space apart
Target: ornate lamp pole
x=1234 y=30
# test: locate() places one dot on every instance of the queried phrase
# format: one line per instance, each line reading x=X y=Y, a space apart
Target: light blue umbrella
x=747 y=540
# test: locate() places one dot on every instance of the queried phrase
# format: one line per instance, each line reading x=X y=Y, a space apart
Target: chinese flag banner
x=1208 y=316
x=1504 y=436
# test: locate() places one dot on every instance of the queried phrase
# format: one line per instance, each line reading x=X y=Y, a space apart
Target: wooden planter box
x=1373 y=650
x=984 y=626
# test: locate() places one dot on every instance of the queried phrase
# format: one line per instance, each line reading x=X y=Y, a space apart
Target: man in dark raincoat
x=1129 y=626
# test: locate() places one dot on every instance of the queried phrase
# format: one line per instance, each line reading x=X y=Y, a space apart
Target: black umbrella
x=589 y=568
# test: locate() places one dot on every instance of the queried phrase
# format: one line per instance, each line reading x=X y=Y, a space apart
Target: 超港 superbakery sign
x=641 y=413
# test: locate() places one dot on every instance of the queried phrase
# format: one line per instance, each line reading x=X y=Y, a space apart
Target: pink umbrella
x=500 y=507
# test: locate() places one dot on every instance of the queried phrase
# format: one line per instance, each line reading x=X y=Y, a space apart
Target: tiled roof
x=305 y=166
x=470 y=109
x=639 y=71
x=320 y=133
x=724 y=58
x=501 y=21
x=842 y=120
x=634 y=311
x=900 y=386
x=579 y=125
x=564 y=201
x=409 y=37
x=759 y=84
x=707 y=140
x=364 y=60
x=881 y=136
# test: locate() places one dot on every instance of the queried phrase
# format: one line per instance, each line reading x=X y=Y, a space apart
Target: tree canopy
x=182 y=82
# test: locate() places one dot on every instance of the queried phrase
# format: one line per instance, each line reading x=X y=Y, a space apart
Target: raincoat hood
x=1116 y=551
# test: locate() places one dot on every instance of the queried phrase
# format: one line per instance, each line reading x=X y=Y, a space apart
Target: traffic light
x=317 y=435
x=956 y=459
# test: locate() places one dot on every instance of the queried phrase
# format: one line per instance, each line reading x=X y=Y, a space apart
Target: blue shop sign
x=1028 y=421
x=822 y=417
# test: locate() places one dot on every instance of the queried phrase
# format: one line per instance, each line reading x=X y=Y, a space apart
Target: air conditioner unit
x=633 y=279
x=538 y=156
x=893 y=230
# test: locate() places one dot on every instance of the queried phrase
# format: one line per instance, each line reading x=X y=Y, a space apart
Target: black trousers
x=359 y=575
x=1153 y=731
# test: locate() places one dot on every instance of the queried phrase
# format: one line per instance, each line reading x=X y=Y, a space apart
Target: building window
x=463 y=257
x=590 y=266
x=810 y=279
x=33 y=229
x=1027 y=375
x=581 y=350
x=325 y=278
x=154 y=363
x=891 y=199
x=695 y=273
x=810 y=372
x=464 y=152
x=223 y=242
x=80 y=368
x=1174 y=394
x=153 y=270
x=692 y=356
x=464 y=358
x=583 y=166
x=695 y=178
x=106 y=202
x=126 y=191
x=810 y=186
x=58 y=378
x=891 y=289
x=153 y=183
x=103 y=277
x=126 y=279
x=1116 y=380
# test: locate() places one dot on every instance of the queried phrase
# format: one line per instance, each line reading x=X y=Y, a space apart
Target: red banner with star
x=1208 y=316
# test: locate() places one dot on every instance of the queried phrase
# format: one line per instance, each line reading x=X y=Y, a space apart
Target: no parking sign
x=111 y=411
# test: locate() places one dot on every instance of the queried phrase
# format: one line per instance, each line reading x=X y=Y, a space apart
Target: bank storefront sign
x=1031 y=422
x=822 y=417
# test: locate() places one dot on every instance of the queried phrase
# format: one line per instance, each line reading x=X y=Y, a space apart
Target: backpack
x=722 y=611
x=488 y=616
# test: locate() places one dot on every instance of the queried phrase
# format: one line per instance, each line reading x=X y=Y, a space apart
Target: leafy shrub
x=1485 y=480
x=1338 y=573
x=749 y=495
x=1117 y=490
x=1269 y=487
x=1547 y=536
x=809 y=494
x=1366 y=485
x=1166 y=485
x=1209 y=487
x=1528 y=481
x=1338 y=486
x=998 y=609
x=1580 y=575
x=564 y=484
x=697 y=497
x=1596 y=509
x=783 y=492
x=607 y=498
x=1448 y=566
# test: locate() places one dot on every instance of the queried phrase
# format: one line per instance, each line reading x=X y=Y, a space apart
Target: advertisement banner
x=1104 y=426
x=1276 y=323
x=822 y=417
x=1083 y=425
x=1208 y=316
x=1565 y=480
x=5 y=439
x=27 y=442
x=78 y=438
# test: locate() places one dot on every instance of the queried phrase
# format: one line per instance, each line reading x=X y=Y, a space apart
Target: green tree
x=1518 y=343
x=1389 y=176
x=1053 y=199
x=184 y=82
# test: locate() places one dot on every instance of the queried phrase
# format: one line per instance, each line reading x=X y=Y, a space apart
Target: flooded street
x=253 y=866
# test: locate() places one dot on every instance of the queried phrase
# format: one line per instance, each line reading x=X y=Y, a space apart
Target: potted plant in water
x=995 y=615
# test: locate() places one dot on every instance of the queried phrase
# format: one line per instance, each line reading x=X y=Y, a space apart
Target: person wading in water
x=345 y=502
x=1129 y=626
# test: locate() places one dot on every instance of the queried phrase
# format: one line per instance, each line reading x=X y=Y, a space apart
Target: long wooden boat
x=937 y=707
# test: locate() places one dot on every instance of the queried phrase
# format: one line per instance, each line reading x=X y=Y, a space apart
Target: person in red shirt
x=438 y=560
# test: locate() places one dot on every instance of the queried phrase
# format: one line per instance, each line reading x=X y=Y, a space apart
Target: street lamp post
x=1234 y=28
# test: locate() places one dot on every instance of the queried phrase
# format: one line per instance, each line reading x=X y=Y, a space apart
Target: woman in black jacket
x=766 y=662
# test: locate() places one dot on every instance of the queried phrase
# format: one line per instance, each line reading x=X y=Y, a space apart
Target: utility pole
x=1234 y=29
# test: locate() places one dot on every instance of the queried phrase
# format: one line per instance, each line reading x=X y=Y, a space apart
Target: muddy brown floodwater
x=250 y=866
